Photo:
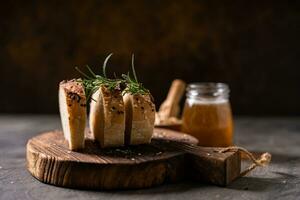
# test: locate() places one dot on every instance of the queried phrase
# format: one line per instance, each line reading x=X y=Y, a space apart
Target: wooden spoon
x=167 y=116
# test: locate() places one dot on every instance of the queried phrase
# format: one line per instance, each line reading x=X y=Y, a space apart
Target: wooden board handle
x=210 y=164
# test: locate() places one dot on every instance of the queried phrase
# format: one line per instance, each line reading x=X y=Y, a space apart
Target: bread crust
x=72 y=104
x=107 y=117
x=140 y=118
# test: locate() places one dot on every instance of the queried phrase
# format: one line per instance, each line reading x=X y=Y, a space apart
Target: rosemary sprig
x=104 y=64
x=92 y=82
x=132 y=85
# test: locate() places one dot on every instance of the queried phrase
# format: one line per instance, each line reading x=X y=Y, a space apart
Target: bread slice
x=107 y=117
x=140 y=117
x=72 y=107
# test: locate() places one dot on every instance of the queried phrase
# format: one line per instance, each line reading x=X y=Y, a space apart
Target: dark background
x=251 y=45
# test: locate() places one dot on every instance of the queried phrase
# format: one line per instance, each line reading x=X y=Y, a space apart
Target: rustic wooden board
x=172 y=156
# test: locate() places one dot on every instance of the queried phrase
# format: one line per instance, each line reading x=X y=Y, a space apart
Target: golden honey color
x=210 y=122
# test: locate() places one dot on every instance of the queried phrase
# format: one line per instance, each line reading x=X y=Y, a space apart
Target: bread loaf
x=72 y=107
x=107 y=117
x=140 y=117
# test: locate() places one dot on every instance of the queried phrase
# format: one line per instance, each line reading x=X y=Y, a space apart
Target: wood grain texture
x=279 y=181
x=171 y=157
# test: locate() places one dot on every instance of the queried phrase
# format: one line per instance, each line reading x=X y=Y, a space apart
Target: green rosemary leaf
x=115 y=75
x=85 y=75
x=133 y=86
x=92 y=84
x=104 y=64
x=90 y=70
x=133 y=70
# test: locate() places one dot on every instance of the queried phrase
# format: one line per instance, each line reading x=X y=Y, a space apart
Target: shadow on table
x=254 y=183
x=277 y=178
x=264 y=183
x=166 y=188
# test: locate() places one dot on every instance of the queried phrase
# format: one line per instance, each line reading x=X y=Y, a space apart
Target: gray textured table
x=281 y=180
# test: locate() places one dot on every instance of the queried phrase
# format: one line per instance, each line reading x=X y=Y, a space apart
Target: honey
x=207 y=115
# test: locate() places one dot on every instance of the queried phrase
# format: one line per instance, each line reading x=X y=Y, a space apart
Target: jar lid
x=207 y=89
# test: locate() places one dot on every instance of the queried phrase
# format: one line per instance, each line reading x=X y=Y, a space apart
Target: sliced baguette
x=140 y=117
x=107 y=117
x=72 y=107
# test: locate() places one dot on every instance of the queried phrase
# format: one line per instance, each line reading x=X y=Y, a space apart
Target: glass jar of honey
x=207 y=114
